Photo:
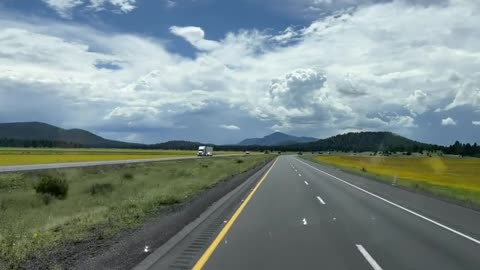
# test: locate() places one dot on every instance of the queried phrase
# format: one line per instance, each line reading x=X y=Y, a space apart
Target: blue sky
x=221 y=71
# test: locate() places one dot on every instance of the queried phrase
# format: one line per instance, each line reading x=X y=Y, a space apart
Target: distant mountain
x=178 y=145
x=41 y=134
x=366 y=141
x=277 y=138
x=36 y=134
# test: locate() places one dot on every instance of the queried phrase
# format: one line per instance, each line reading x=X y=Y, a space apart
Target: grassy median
x=104 y=199
x=24 y=156
x=453 y=178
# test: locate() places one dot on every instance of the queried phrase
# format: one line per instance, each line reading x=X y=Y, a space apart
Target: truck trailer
x=206 y=151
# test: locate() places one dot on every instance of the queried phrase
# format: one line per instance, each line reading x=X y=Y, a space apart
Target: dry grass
x=453 y=178
x=107 y=198
x=24 y=156
x=446 y=171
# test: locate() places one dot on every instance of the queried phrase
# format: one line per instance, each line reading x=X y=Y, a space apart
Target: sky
x=219 y=71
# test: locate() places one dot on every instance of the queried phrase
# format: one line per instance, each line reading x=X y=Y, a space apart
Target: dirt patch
x=126 y=249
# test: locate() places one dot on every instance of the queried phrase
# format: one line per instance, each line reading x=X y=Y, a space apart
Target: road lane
x=398 y=239
x=285 y=227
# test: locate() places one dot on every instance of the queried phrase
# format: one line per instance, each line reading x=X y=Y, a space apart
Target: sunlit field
x=24 y=156
x=453 y=177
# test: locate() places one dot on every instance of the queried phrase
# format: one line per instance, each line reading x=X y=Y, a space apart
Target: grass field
x=133 y=192
x=23 y=156
x=452 y=177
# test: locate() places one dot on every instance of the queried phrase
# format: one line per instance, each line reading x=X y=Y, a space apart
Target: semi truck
x=206 y=151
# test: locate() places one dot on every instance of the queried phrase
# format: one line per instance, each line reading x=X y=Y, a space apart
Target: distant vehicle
x=206 y=151
x=300 y=153
x=279 y=152
x=247 y=153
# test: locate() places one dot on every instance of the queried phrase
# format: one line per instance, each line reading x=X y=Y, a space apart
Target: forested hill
x=37 y=134
x=367 y=141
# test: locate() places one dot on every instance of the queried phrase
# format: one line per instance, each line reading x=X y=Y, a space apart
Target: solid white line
x=399 y=206
x=306 y=183
x=320 y=199
x=369 y=258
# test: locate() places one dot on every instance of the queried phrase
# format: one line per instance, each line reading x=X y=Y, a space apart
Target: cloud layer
x=384 y=66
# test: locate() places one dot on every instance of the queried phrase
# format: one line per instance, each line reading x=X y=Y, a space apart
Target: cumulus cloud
x=476 y=123
x=195 y=36
x=230 y=127
x=448 y=122
x=64 y=8
x=416 y=102
x=340 y=72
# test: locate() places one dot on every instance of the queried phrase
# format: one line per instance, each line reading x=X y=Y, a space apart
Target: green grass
x=453 y=178
x=24 y=156
x=105 y=199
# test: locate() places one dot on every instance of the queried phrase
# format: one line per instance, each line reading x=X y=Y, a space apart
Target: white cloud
x=467 y=94
x=416 y=102
x=124 y=6
x=476 y=123
x=448 y=122
x=64 y=8
x=170 y=3
x=195 y=36
x=230 y=127
x=403 y=122
x=340 y=72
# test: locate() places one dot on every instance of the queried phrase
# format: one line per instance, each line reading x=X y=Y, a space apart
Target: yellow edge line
x=206 y=255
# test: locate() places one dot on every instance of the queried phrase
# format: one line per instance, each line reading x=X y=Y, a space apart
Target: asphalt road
x=308 y=216
x=34 y=167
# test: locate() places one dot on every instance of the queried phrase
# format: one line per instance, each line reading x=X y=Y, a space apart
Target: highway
x=303 y=215
x=34 y=167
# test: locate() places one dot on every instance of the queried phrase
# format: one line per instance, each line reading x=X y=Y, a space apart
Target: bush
x=128 y=176
x=55 y=186
x=364 y=170
x=47 y=198
x=239 y=160
x=101 y=188
x=169 y=200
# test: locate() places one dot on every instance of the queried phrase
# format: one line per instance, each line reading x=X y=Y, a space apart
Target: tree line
x=342 y=143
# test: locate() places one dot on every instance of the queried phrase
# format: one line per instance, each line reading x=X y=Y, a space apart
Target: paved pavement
x=308 y=216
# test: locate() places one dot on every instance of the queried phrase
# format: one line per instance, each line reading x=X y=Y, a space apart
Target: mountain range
x=36 y=134
x=277 y=138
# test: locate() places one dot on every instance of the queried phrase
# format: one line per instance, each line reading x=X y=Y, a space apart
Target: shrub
x=169 y=200
x=239 y=160
x=47 y=198
x=55 y=186
x=101 y=188
x=363 y=169
x=128 y=176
